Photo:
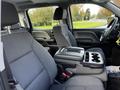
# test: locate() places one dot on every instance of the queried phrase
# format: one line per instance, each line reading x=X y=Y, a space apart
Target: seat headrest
x=60 y=14
x=9 y=15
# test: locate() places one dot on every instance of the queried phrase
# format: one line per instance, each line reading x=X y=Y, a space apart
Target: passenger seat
x=63 y=35
x=32 y=66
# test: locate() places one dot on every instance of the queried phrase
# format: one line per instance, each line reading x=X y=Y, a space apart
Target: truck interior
x=60 y=44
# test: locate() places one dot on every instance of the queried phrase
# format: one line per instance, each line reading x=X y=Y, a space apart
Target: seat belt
x=3 y=77
x=13 y=83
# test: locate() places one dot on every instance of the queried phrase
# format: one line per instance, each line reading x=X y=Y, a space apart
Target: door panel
x=43 y=36
x=40 y=35
x=89 y=22
x=97 y=31
x=88 y=37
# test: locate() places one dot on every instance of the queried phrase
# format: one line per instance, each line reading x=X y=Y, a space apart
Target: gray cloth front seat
x=31 y=64
x=62 y=34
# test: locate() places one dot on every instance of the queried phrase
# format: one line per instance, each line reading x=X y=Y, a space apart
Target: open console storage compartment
x=70 y=53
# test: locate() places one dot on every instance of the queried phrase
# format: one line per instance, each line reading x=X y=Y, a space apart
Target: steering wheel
x=109 y=29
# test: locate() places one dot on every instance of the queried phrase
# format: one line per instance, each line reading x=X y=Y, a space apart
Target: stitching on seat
x=43 y=65
x=35 y=78
x=41 y=62
x=20 y=57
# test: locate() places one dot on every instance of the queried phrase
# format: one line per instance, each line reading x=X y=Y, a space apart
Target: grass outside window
x=76 y=25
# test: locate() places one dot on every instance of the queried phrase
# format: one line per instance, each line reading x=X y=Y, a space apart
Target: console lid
x=70 y=53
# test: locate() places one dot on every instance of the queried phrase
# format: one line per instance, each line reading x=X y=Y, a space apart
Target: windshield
x=116 y=2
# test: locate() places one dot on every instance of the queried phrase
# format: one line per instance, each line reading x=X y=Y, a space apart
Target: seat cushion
x=80 y=83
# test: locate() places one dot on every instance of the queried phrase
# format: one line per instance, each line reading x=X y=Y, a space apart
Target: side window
x=42 y=18
x=89 y=16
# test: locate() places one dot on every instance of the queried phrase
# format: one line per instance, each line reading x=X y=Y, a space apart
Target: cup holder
x=96 y=60
x=93 y=57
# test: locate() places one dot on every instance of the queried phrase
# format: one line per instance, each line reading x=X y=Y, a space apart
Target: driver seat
x=30 y=63
x=62 y=34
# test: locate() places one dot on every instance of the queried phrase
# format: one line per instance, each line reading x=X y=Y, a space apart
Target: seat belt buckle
x=67 y=74
x=12 y=83
x=15 y=85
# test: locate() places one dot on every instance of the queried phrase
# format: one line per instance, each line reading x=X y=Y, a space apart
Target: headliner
x=25 y=4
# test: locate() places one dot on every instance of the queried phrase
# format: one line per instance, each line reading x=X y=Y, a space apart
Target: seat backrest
x=61 y=32
x=31 y=64
x=61 y=37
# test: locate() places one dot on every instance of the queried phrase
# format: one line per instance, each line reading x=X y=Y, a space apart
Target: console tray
x=70 y=53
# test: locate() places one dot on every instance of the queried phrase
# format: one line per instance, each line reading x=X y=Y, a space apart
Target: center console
x=75 y=55
x=79 y=61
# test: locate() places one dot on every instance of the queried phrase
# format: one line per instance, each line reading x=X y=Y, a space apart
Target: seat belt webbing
x=14 y=85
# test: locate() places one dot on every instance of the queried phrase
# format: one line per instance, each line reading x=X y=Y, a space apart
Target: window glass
x=42 y=18
x=89 y=16
x=21 y=19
